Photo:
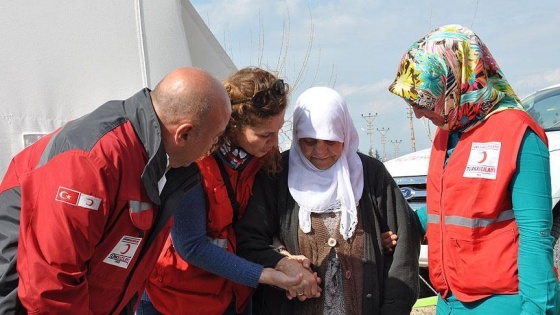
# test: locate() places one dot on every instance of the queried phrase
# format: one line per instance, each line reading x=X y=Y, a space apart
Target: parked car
x=410 y=170
x=544 y=106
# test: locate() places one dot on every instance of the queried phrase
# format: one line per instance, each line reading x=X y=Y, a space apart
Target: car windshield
x=544 y=107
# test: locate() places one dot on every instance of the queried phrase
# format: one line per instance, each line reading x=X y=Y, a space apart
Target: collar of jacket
x=146 y=124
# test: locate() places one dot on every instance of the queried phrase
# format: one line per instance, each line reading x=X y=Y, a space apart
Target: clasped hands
x=293 y=273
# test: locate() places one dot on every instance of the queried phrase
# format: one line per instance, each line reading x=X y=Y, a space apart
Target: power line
x=370 y=118
x=383 y=132
x=412 y=138
x=396 y=143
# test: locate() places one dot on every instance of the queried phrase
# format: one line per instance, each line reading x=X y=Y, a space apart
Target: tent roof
x=61 y=59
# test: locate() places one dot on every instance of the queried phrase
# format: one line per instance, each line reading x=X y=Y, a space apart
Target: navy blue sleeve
x=193 y=244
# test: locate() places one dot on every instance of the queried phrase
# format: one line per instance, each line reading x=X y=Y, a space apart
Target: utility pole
x=383 y=132
x=370 y=118
x=285 y=136
x=396 y=143
x=412 y=138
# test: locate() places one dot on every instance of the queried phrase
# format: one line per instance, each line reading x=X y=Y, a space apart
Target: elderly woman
x=488 y=204
x=332 y=204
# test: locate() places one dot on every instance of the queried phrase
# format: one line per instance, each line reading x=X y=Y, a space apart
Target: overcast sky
x=356 y=46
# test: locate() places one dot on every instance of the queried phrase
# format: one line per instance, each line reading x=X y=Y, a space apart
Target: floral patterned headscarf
x=451 y=71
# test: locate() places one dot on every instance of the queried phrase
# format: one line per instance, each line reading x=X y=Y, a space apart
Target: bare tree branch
x=282 y=58
x=261 y=40
x=307 y=52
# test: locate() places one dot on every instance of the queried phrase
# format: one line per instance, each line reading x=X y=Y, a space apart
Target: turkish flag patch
x=76 y=198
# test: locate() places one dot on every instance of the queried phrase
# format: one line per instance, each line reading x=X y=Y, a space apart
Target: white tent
x=60 y=59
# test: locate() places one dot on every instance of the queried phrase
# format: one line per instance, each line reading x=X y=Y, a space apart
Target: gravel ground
x=427 y=310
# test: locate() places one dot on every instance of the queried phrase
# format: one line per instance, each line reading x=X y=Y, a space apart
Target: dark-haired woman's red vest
x=175 y=286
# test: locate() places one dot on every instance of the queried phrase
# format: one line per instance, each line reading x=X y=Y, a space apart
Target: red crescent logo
x=484 y=156
x=127 y=249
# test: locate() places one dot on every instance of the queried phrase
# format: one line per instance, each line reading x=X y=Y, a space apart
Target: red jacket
x=88 y=203
x=175 y=287
x=472 y=233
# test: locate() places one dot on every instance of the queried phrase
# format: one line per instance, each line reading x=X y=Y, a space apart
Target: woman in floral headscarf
x=488 y=215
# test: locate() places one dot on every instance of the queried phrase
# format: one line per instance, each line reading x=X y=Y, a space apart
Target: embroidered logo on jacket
x=76 y=198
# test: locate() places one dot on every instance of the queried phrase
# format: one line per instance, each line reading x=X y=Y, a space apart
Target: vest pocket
x=142 y=214
x=484 y=264
x=220 y=214
x=177 y=275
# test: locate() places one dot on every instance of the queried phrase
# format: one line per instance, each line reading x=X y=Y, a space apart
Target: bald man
x=87 y=207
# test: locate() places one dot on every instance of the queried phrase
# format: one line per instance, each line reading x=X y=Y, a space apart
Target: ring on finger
x=299 y=294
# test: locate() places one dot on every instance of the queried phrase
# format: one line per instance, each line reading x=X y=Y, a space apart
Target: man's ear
x=182 y=133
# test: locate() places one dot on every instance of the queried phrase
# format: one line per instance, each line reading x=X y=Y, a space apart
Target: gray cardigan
x=390 y=281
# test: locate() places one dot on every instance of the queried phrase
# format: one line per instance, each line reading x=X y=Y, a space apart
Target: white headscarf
x=321 y=113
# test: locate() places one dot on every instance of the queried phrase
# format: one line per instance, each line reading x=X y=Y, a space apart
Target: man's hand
x=309 y=284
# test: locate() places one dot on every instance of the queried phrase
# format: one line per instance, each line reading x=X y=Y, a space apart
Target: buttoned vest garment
x=175 y=286
x=472 y=234
x=317 y=245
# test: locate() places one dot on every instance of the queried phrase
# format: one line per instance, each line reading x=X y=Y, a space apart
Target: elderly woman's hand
x=309 y=284
x=389 y=241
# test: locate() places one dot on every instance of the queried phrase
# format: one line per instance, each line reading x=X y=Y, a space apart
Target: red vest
x=472 y=234
x=175 y=287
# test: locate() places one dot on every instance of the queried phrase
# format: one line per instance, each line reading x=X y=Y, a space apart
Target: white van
x=543 y=105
